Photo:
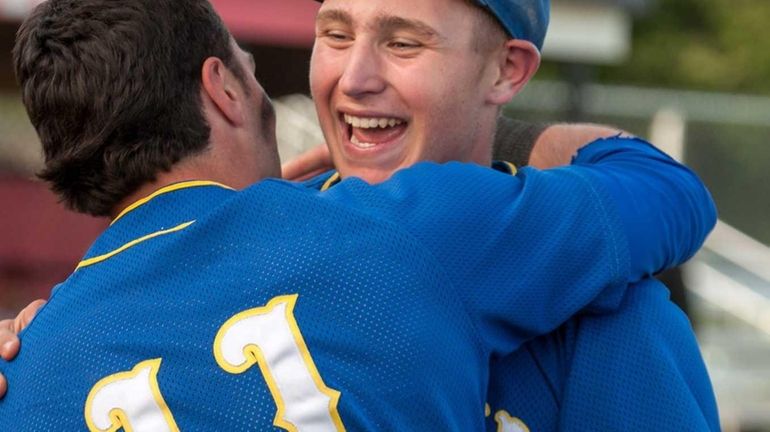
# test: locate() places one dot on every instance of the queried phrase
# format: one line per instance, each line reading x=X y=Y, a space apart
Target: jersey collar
x=502 y=166
x=164 y=190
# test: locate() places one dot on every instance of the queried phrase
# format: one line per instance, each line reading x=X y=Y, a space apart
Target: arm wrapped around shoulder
x=664 y=208
x=525 y=253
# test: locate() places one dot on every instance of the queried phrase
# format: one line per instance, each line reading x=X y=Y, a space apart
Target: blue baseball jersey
x=361 y=308
x=637 y=368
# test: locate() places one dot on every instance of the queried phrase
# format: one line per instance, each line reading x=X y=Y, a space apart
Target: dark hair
x=113 y=89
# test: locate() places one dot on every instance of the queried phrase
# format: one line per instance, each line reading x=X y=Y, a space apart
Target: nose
x=363 y=73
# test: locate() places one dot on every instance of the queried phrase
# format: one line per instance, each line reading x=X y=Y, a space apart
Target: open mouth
x=369 y=132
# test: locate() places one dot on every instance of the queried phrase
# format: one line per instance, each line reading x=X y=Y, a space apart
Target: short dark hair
x=113 y=90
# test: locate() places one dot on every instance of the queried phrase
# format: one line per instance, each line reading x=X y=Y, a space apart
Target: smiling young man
x=401 y=82
x=396 y=82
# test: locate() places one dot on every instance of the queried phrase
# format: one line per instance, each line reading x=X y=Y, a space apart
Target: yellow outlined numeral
x=269 y=337
x=507 y=423
x=130 y=400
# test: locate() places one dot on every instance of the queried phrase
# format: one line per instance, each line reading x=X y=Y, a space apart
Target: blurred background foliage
x=715 y=45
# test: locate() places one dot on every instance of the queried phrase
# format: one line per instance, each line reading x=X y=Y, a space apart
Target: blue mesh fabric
x=609 y=383
x=638 y=368
x=405 y=292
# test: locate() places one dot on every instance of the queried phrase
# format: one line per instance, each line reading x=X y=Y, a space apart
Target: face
x=396 y=82
x=260 y=149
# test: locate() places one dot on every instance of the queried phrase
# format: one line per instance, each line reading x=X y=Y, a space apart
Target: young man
x=185 y=238
x=397 y=82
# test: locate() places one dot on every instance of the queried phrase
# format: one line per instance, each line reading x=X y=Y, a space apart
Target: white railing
x=719 y=286
x=643 y=103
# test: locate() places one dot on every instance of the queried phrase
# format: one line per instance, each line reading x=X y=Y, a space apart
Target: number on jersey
x=269 y=337
x=131 y=401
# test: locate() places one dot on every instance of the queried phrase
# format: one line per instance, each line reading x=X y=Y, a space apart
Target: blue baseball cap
x=522 y=19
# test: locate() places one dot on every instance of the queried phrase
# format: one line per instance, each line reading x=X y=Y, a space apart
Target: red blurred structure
x=270 y=22
x=40 y=241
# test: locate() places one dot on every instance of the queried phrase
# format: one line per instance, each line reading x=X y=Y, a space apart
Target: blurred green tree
x=719 y=45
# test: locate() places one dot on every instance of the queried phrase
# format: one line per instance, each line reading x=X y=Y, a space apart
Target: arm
x=557 y=145
x=526 y=253
x=544 y=145
x=664 y=229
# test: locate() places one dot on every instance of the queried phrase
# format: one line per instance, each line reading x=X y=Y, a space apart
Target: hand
x=9 y=339
x=308 y=165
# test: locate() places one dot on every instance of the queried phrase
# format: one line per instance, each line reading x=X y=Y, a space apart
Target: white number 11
x=269 y=337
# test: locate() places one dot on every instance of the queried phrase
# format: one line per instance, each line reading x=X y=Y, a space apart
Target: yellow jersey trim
x=335 y=178
x=100 y=258
x=331 y=181
x=511 y=167
x=167 y=189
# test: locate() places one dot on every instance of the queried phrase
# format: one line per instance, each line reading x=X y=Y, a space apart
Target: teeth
x=360 y=144
x=371 y=122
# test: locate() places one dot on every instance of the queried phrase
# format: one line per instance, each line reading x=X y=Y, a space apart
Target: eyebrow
x=383 y=24
x=391 y=24
x=334 y=15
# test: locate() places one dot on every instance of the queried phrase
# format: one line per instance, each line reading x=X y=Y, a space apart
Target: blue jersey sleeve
x=525 y=253
x=664 y=231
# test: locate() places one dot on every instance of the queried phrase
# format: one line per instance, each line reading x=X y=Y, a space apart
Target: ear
x=224 y=90
x=517 y=62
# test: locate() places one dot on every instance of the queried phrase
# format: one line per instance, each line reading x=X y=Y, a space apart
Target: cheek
x=321 y=75
x=321 y=94
x=315 y=83
x=435 y=88
x=326 y=64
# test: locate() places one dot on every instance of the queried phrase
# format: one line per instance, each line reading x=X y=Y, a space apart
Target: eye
x=404 y=48
x=336 y=36
x=404 y=45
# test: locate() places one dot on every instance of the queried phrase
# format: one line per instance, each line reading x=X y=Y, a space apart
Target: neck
x=483 y=135
x=209 y=165
x=481 y=153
